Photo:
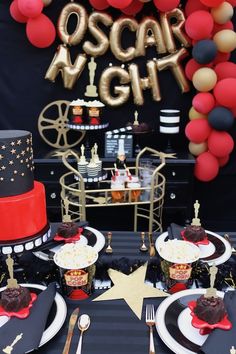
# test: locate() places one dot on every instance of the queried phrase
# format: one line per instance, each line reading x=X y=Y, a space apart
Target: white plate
x=208 y=250
x=59 y=319
x=184 y=335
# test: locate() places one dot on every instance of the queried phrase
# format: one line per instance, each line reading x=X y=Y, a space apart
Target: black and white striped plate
x=173 y=322
x=90 y=237
x=218 y=251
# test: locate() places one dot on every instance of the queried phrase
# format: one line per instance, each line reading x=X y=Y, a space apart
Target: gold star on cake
x=12 y=143
x=18 y=156
x=23 y=152
x=28 y=141
x=1 y=179
x=3 y=167
x=131 y=288
x=18 y=142
x=3 y=147
x=11 y=162
x=1 y=157
x=13 y=151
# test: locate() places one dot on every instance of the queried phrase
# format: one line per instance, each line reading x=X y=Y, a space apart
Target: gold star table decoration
x=131 y=288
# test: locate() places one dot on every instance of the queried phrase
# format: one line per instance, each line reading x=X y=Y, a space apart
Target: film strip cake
x=22 y=200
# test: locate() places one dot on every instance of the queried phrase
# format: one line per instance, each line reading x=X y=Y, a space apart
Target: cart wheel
x=52 y=126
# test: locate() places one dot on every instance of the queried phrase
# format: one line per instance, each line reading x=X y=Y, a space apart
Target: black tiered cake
x=16 y=162
x=22 y=200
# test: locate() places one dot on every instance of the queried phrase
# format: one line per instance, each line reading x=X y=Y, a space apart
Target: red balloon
x=119 y=4
x=232 y=2
x=194 y=5
x=30 y=8
x=166 y=5
x=199 y=25
x=221 y=57
x=212 y=3
x=193 y=66
x=223 y=160
x=40 y=31
x=228 y=25
x=16 y=14
x=206 y=167
x=133 y=8
x=204 y=102
x=220 y=143
x=225 y=92
x=99 y=4
x=198 y=130
x=225 y=70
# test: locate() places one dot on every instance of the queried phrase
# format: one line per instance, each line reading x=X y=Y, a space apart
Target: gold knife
x=72 y=322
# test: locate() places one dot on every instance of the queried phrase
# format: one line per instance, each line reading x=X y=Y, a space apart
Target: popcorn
x=74 y=256
x=177 y=251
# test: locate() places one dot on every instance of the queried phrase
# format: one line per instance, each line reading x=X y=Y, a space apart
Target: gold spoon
x=83 y=324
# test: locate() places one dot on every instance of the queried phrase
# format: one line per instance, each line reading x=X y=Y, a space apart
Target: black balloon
x=204 y=51
x=221 y=118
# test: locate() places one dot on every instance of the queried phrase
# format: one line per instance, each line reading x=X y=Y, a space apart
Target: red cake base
x=205 y=327
x=204 y=242
x=69 y=239
x=23 y=215
x=23 y=313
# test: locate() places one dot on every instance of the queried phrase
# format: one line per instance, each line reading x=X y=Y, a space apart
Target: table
x=114 y=327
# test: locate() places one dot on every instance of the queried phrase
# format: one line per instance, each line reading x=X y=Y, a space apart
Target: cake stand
x=26 y=244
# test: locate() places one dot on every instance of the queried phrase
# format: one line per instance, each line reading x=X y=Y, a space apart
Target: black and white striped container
x=169 y=121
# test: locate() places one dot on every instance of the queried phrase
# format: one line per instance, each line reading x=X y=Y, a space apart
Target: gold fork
x=227 y=238
x=150 y=322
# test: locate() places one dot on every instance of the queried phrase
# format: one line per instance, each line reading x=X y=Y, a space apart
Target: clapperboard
x=112 y=142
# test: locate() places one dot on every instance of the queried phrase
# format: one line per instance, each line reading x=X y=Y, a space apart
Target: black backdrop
x=24 y=93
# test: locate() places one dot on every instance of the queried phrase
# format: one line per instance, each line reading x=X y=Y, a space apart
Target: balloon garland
x=214 y=76
x=40 y=30
x=209 y=27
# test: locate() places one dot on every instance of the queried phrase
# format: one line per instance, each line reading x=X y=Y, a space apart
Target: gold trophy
x=196 y=220
x=91 y=89
x=11 y=282
x=211 y=292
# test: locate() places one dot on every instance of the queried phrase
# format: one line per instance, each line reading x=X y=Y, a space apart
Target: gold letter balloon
x=81 y=27
x=166 y=35
x=121 y=92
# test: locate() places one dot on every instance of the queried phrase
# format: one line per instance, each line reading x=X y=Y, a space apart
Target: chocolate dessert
x=210 y=309
x=15 y=299
x=194 y=233
x=67 y=229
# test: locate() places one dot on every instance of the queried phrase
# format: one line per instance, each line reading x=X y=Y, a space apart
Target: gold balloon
x=102 y=41
x=122 y=92
x=115 y=38
x=222 y=13
x=204 y=79
x=177 y=29
x=62 y=63
x=47 y=2
x=225 y=40
x=172 y=62
x=139 y=84
x=149 y=34
x=81 y=27
x=197 y=149
x=193 y=114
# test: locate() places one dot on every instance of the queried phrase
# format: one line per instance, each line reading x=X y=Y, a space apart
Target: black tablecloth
x=114 y=327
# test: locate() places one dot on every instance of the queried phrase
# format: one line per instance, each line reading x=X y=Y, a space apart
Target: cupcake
x=92 y=169
x=210 y=309
x=77 y=107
